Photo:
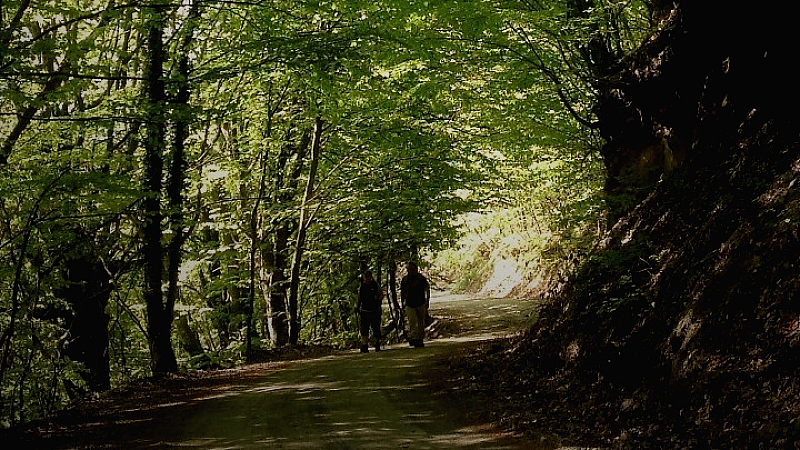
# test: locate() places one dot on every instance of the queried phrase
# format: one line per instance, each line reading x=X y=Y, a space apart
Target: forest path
x=379 y=400
x=373 y=401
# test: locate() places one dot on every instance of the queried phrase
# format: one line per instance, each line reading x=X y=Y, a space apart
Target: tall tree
x=62 y=135
x=305 y=219
x=159 y=307
x=290 y=163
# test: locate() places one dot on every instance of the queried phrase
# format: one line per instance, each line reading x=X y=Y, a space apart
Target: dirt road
x=373 y=401
x=380 y=400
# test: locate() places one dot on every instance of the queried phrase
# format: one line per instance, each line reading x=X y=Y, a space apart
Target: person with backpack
x=415 y=296
x=368 y=305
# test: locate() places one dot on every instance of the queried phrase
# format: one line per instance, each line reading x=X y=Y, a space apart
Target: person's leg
x=376 y=330
x=413 y=325
x=416 y=317
x=364 y=330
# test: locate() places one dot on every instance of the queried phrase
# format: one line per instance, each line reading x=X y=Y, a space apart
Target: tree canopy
x=185 y=183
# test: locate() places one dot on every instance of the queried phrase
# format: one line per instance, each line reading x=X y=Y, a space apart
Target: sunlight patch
x=791 y=329
x=687 y=328
x=572 y=351
x=503 y=279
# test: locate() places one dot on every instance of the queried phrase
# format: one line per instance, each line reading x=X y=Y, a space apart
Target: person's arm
x=427 y=292
x=358 y=299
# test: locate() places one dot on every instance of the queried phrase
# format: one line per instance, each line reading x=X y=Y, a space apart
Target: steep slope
x=683 y=329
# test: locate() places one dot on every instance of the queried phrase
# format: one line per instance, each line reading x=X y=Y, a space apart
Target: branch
x=8 y=334
x=87 y=16
x=539 y=64
x=27 y=116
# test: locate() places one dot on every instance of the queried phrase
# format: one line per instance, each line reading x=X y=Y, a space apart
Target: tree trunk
x=637 y=151
x=188 y=337
x=289 y=164
x=276 y=288
x=176 y=182
x=255 y=244
x=175 y=185
x=400 y=324
x=305 y=222
x=88 y=289
x=159 y=315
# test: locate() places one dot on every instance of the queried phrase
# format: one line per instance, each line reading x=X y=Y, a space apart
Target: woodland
x=193 y=184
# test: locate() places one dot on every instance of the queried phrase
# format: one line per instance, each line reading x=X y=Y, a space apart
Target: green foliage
x=431 y=111
x=548 y=214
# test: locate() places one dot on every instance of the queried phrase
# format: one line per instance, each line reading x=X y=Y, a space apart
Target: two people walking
x=415 y=295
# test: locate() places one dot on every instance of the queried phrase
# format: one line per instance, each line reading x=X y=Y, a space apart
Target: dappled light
x=396 y=398
x=399 y=224
x=379 y=401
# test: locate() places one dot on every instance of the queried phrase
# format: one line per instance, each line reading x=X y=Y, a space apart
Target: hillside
x=682 y=329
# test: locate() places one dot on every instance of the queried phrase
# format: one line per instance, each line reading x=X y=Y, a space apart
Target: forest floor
x=397 y=398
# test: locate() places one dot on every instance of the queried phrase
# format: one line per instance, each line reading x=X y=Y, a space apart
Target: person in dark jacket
x=415 y=294
x=368 y=305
